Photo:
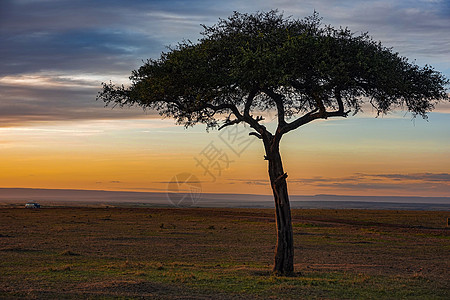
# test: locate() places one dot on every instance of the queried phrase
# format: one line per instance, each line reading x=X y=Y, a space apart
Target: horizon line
x=213 y=193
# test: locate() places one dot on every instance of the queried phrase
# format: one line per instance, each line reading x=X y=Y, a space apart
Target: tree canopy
x=264 y=61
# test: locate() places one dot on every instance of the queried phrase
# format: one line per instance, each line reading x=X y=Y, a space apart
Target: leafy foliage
x=264 y=61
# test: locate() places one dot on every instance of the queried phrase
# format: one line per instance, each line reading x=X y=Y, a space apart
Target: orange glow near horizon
x=349 y=157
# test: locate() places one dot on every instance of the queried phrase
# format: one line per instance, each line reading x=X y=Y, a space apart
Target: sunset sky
x=54 y=54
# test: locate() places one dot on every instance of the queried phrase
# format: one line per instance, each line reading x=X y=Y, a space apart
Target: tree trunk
x=284 y=253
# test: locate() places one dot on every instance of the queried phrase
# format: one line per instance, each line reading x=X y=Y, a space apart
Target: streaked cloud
x=46 y=98
x=360 y=183
x=428 y=177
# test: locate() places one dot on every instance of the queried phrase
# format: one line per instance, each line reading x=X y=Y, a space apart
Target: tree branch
x=249 y=102
x=281 y=177
x=311 y=116
x=234 y=110
x=229 y=122
x=256 y=134
x=254 y=123
x=216 y=108
x=337 y=95
x=246 y=117
x=319 y=103
x=259 y=118
x=319 y=112
x=278 y=99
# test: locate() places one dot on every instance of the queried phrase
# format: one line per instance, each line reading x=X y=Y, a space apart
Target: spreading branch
x=311 y=116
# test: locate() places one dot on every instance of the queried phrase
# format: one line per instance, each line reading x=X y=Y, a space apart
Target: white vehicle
x=32 y=205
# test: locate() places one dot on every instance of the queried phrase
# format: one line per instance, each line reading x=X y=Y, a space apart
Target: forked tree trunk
x=284 y=253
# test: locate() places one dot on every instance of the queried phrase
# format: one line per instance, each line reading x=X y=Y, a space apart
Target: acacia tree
x=252 y=63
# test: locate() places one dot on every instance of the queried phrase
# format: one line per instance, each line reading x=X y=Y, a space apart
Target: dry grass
x=196 y=253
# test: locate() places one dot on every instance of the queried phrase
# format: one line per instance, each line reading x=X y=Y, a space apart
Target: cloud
x=54 y=54
x=361 y=182
x=56 y=101
x=80 y=51
x=363 y=177
x=426 y=177
x=90 y=36
x=418 y=30
x=407 y=183
x=187 y=181
x=256 y=182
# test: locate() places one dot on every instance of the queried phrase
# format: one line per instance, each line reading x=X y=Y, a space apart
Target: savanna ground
x=199 y=253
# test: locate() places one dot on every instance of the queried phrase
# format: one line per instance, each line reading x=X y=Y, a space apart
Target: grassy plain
x=199 y=253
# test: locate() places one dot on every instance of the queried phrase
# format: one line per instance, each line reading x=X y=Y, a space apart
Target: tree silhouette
x=304 y=71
